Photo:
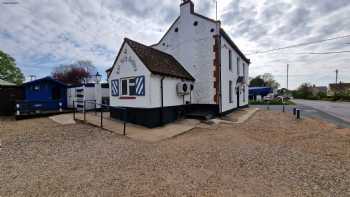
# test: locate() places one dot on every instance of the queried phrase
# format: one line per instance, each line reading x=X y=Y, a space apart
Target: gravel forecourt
x=269 y=155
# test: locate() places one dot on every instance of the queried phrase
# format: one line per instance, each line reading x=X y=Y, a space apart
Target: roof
x=233 y=45
x=339 y=86
x=45 y=79
x=159 y=62
x=6 y=83
x=259 y=91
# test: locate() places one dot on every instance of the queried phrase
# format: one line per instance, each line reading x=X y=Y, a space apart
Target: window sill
x=127 y=97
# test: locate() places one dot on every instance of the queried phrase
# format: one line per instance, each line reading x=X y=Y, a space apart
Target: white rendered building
x=195 y=67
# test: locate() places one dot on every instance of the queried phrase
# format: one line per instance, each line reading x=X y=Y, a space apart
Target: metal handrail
x=103 y=106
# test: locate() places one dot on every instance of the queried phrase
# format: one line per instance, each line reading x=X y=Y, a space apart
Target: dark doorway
x=56 y=93
x=8 y=96
x=237 y=93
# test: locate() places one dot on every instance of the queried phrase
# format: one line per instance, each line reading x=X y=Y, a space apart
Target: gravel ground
x=269 y=155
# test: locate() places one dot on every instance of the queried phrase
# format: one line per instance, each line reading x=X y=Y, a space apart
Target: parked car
x=269 y=97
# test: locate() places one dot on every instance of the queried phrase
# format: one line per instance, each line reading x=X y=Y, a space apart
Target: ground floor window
x=133 y=86
x=230 y=92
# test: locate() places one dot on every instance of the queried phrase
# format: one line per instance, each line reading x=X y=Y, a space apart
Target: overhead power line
x=301 y=44
x=312 y=53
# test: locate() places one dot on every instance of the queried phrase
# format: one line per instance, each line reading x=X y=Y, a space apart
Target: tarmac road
x=340 y=110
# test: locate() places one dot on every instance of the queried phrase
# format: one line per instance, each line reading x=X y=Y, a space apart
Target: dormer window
x=195 y=23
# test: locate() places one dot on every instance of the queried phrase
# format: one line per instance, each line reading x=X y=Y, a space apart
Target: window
x=230 y=92
x=195 y=23
x=35 y=88
x=230 y=60
x=243 y=69
x=176 y=29
x=238 y=63
x=133 y=86
x=212 y=30
x=244 y=88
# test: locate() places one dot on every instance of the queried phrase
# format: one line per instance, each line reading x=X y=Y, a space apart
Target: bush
x=272 y=102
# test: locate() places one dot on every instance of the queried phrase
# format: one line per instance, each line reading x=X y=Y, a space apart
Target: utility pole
x=216 y=8
x=336 y=76
x=287 y=76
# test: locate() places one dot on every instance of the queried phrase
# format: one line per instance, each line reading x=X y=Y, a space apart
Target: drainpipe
x=161 y=100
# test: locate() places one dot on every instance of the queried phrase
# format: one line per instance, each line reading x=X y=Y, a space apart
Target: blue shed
x=259 y=91
x=45 y=94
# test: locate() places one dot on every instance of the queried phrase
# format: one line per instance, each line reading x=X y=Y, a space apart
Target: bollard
x=283 y=108
x=298 y=114
x=294 y=111
x=101 y=117
x=268 y=107
x=60 y=104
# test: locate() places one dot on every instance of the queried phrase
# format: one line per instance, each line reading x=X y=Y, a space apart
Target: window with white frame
x=133 y=86
x=244 y=93
x=230 y=92
x=128 y=86
x=230 y=60
x=238 y=63
x=243 y=69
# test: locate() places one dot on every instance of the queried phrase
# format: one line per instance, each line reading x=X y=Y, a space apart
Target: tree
x=257 y=82
x=270 y=81
x=265 y=80
x=304 y=91
x=74 y=74
x=8 y=70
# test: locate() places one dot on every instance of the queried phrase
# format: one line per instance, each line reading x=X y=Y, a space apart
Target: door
x=237 y=93
x=56 y=93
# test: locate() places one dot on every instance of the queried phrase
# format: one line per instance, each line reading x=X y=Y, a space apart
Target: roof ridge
x=149 y=47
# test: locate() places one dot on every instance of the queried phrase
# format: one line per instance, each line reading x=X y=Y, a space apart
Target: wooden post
x=125 y=117
x=73 y=110
x=298 y=114
x=101 y=117
x=284 y=109
x=294 y=111
x=84 y=110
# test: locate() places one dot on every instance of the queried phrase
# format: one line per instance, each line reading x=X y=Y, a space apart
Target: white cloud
x=43 y=34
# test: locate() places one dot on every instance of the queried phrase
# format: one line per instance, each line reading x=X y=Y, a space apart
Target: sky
x=42 y=34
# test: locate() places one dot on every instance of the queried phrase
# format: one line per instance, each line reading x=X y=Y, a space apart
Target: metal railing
x=99 y=110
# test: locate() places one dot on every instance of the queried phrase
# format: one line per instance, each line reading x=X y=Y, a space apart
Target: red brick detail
x=216 y=64
x=127 y=97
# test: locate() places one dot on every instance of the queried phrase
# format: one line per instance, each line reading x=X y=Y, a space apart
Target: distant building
x=316 y=90
x=338 y=88
x=258 y=93
x=9 y=93
x=42 y=95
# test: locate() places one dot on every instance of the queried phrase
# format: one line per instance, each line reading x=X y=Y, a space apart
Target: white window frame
x=230 y=93
x=128 y=84
x=229 y=59
x=238 y=65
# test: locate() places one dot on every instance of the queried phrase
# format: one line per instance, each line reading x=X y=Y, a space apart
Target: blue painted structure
x=43 y=95
x=259 y=91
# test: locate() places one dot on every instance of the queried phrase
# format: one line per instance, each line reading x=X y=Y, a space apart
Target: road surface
x=340 y=110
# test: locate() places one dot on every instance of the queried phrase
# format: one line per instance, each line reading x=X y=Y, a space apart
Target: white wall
x=129 y=68
x=170 y=96
x=193 y=46
x=227 y=75
x=90 y=93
